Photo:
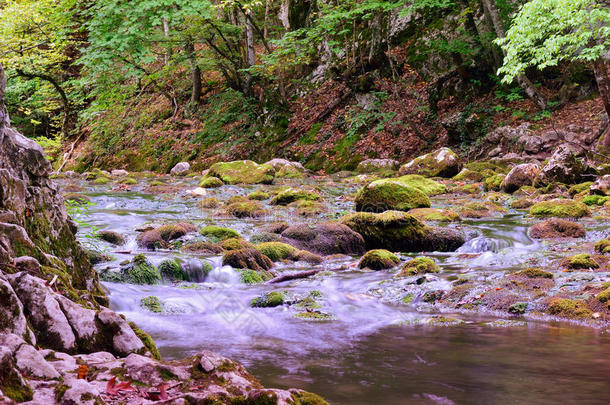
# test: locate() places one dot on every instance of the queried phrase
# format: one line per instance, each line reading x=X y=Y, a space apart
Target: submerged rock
x=324 y=239
x=378 y=259
x=441 y=163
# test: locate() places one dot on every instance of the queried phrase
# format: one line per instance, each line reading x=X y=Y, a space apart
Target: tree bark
x=250 y=57
x=195 y=73
x=168 y=53
x=525 y=83
x=602 y=77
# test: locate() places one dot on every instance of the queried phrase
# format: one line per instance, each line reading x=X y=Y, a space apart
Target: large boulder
x=377 y=165
x=566 y=165
x=390 y=194
x=180 y=169
x=399 y=232
x=441 y=163
x=286 y=168
x=325 y=239
x=519 y=176
x=601 y=185
x=242 y=172
x=12 y=318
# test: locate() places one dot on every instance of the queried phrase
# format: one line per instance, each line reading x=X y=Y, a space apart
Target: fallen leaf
x=112 y=388
x=83 y=370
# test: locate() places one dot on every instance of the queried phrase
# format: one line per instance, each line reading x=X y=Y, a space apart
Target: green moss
x=290 y=195
x=210 y=202
x=423 y=184
x=603 y=296
x=314 y=316
x=560 y=208
x=534 y=272
x=210 y=182
x=243 y=172
x=595 y=199
x=235 y=244
x=310 y=137
x=276 y=250
x=518 y=308
x=59 y=390
x=254 y=277
x=101 y=180
x=417 y=266
x=246 y=209
x=579 y=188
x=157 y=183
x=378 y=259
x=390 y=194
x=582 y=261
x=494 y=182
x=171 y=270
x=12 y=387
x=569 y=308
x=148 y=341
x=432 y=164
x=407 y=299
x=290 y=172
x=219 y=233
x=258 y=195
x=141 y=271
x=152 y=304
x=603 y=246
x=268 y=300
x=130 y=181
x=307 y=398
x=434 y=215
x=467 y=174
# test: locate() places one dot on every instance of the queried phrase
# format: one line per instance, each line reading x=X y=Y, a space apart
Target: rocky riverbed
x=288 y=271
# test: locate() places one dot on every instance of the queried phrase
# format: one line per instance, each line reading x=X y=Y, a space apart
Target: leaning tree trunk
x=602 y=77
x=525 y=83
x=195 y=73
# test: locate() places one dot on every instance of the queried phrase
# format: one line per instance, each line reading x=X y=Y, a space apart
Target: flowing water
x=376 y=349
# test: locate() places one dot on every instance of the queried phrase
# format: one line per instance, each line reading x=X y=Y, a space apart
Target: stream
x=376 y=349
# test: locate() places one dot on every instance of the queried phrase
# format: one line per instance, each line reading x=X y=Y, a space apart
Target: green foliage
x=78 y=210
x=546 y=32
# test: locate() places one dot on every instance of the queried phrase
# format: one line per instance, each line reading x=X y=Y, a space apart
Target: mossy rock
x=423 y=184
x=522 y=203
x=147 y=340
x=219 y=233
x=172 y=271
x=581 y=261
x=247 y=259
x=595 y=199
x=604 y=296
x=243 y=172
x=518 y=308
x=277 y=251
x=268 y=300
x=307 y=398
x=378 y=259
x=314 y=316
x=441 y=163
x=469 y=175
x=560 y=208
x=129 y=181
x=485 y=209
x=265 y=237
x=306 y=208
x=494 y=183
x=557 y=228
x=140 y=271
x=210 y=182
x=246 y=209
x=151 y=303
x=111 y=237
x=400 y=232
x=290 y=195
x=417 y=266
x=254 y=277
x=390 y=194
x=533 y=272
x=175 y=231
x=235 y=244
x=435 y=215
x=580 y=188
x=259 y=195
x=207 y=203
x=466 y=189
x=603 y=246
x=101 y=180
x=569 y=308
x=290 y=172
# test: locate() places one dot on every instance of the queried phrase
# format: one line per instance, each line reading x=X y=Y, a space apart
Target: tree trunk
x=602 y=77
x=525 y=83
x=168 y=53
x=266 y=22
x=195 y=73
x=250 y=57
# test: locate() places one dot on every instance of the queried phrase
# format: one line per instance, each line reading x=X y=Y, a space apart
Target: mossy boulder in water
x=441 y=163
x=277 y=251
x=243 y=172
x=423 y=184
x=160 y=237
x=557 y=228
x=210 y=182
x=390 y=194
x=290 y=195
x=171 y=271
x=219 y=233
x=581 y=261
x=247 y=259
x=246 y=209
x=268 y=300
x=151 y=303
x=111 y=237
x=325 y=238
x=603 y=246
x=258 y=195
x=468 y=174
x=207 y=203
x=138 y=271
x=434 y=215
x=533 y=272
x=560 y=208
x=568 y=308
x=417 y=266
x=399 y=232
x=254 y=277
x=235 y=244
x=494 y=183
x=378 y=259
x=595 y=199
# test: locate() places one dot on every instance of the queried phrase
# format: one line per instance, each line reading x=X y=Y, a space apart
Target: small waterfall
x=225 y=275
x=196 y=270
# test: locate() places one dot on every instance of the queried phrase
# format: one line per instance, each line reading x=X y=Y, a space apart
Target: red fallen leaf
x=112 y=388
x=499 y=288
x=83 y=370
